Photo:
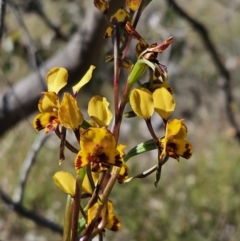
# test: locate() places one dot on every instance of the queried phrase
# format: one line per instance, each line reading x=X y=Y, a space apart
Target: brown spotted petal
x=107 y=219
x=44 y=119
x=82 y=159
x=98 y=146
x=179 y=147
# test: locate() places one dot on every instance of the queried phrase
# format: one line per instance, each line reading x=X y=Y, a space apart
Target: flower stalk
x=101 y=161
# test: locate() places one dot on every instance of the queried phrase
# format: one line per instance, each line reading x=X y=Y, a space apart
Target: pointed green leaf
x=140 y=148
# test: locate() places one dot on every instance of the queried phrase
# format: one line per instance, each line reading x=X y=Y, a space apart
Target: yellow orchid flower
x=108 y=218
x=164 y=103
x=142 y=103
x=98 y=146
x=98 y=110
x=52 y=112
x=174 y=143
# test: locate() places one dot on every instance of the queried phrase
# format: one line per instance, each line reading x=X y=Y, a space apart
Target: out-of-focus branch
x=27 y=165
x=30 y=46
x=212 y=50
x=21 y=210
x=35 y=6
x=2 y=15
x=81 y=51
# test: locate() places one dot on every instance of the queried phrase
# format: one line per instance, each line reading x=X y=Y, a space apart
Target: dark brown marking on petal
x=52 y=118
x=116 y=224
x=118 y=160
x=172 y=146
x=171 y=150
x=121 y=177
x=38 y=125
x=103 y=158
x=92 y=158
x=188 y=153
x=78 y=162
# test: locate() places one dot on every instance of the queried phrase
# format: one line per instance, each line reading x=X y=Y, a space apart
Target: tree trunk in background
x=20 y=100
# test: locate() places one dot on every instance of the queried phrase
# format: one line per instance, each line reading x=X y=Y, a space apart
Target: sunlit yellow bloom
x=85 y=79
x=141 y=102
x=48 y=118
x=164 y=103
x=108 y=219
x=98 y=110
x=98 y=146
x=69 y=114
x=52 y=112
x=174 y=143
x=67 y=182
x=56 y=79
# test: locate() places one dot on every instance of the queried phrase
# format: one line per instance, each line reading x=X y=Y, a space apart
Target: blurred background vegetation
x=196 y=199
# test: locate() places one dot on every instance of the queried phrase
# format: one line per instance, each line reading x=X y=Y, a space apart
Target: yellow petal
x=112 y=221
x=164 y=103
x=163 y=142
x=173 y=128
x=181 y=147
x=43 y=119
x=82 y=159
x=49 y=102
x=133 y=5
x=65 y=181
x=97 y=136
x=69 y=114
x=98 y=145
x=86 y=187
x=85 y=79
x=123 y=174
x=167 y=86
x=56 y=79
x=98 y=110
x=101 y=5
x=182 y=134
x=141 y=102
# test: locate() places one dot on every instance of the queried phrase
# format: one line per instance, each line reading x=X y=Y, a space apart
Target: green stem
x=68 y=219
